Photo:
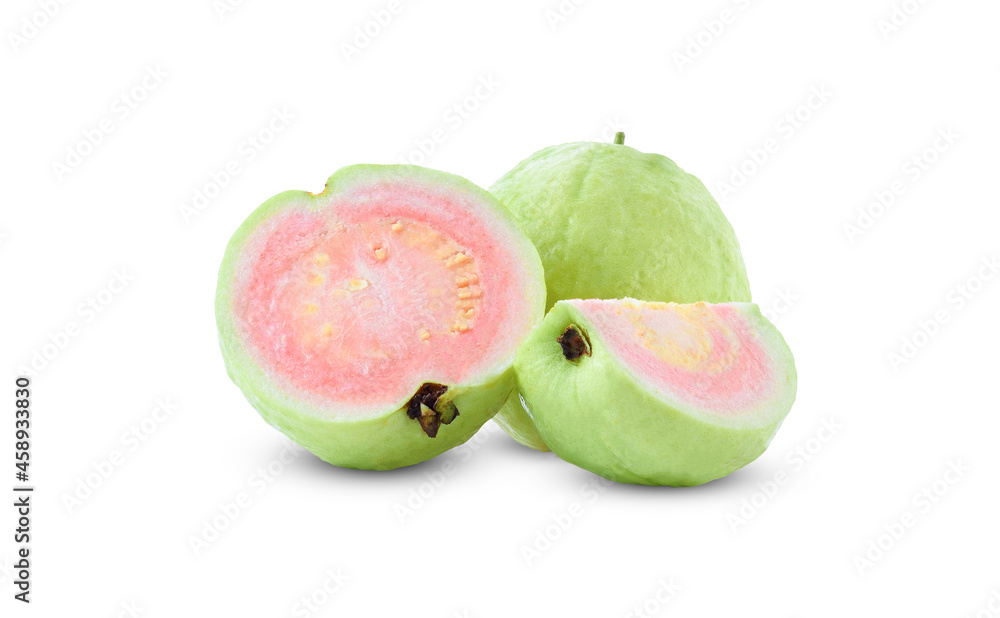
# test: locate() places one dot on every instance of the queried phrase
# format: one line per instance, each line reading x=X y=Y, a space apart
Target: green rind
x=610 y=221
x=598 y=416
x=516 y=423
x=387 y=439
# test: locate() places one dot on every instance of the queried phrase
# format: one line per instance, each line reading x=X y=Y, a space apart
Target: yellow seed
x=316 y=280
x=312 y=308
x=380 y=254
x=321 y=258
x=397 y=227
x=424 y=334
x=471 y=311
x=355 y=285
x=460 y=326
x=455 y=260
x=464 y=293
x=473 y=278
x=461 y=281
x=327 y=329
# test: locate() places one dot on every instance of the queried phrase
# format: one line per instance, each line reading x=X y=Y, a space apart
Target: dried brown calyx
x=574 y=343
x=429 y=409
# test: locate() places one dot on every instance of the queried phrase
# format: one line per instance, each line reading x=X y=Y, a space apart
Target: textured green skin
x=596 y=415
x=610 y=221
x=388 y=439
x=518 y=425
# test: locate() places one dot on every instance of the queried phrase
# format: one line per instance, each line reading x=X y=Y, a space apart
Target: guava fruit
x=610 y=221
x=376 y=323
x=656 y=393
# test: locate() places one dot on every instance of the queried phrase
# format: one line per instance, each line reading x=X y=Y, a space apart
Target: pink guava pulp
x=358 y=300
x=707 y=356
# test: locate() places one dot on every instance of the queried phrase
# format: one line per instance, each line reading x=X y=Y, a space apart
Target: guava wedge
x=656 y=393
x=375 y=323
x=610 y=222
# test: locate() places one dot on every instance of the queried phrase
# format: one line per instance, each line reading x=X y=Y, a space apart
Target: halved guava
x=375 y=323
x=610 y=221
x=656 y=393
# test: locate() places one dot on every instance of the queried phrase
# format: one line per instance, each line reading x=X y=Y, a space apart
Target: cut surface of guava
x=610 y=221
x=397 y=294
x=656 y=393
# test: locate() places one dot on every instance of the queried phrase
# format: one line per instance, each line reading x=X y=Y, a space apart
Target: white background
x=494 y=529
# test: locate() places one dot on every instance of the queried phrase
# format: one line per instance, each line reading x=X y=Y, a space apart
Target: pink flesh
x=707 y=356
x=360 y=302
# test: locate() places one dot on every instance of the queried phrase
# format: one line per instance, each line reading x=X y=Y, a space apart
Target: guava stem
x=620 y=138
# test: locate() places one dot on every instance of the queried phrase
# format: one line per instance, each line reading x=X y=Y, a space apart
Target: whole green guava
x=611 y=222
